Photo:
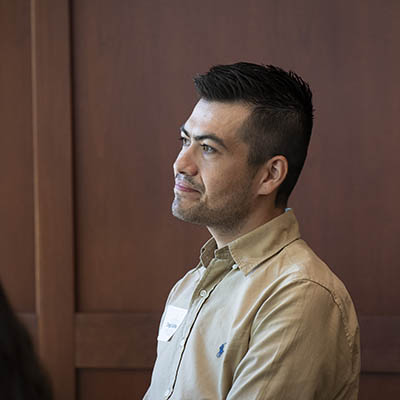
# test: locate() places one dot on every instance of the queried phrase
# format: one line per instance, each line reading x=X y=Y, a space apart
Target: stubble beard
x=227 y=217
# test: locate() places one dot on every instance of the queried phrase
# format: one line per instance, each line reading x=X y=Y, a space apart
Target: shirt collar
x=210 y=251
x=255 y=247
x=262 y=243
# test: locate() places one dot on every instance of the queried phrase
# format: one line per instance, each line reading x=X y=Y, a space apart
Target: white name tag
x=173 y=318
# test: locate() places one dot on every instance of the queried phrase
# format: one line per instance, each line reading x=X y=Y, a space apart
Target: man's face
x=213 y=182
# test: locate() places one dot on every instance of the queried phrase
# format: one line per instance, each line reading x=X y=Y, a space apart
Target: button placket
x=188 y=322
x=196 y=304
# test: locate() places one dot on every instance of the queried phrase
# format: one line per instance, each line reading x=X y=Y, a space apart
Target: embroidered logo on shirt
x=221 y=350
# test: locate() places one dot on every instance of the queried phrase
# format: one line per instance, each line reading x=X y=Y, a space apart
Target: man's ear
x=273 y=173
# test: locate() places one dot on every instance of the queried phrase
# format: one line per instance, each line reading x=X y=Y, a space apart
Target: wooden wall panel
x=380 y=344
x=125 y=143
x=92 y=97
x=379 y=386
x=345 y=197
x=16 y=160
x=53 y=194
x=118 y=340
x=117 y=384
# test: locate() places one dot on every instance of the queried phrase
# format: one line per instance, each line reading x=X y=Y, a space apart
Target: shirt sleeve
x=298 y=348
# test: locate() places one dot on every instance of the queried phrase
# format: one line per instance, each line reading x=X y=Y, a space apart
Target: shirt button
x=182 y=343
x=203 y=293
x=167 y=392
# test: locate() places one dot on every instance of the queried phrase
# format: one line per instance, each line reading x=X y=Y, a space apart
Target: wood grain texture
x=104 y=384
x=380 y=343
x=118 y=340
x=379 y=386
x=53 y=183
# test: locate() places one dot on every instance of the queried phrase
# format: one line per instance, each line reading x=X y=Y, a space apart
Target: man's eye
x=185 y=141
x=208 y=149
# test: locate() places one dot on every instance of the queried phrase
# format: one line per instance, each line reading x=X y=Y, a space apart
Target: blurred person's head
x=22 y=376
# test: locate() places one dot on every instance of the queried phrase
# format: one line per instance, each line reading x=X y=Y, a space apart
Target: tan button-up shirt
x=261 y=318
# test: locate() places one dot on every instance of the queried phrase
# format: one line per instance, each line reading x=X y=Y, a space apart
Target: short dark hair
x=281 y=119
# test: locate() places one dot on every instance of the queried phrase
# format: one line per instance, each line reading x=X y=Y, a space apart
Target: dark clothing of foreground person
x=21 y=375
x=261 y=316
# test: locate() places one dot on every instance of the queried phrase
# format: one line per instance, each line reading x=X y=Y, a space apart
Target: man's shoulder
x=298 y=263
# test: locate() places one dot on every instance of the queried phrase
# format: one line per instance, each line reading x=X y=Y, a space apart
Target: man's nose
x=185 y=163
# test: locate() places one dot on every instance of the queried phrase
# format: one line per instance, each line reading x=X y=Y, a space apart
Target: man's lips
x=184 y=188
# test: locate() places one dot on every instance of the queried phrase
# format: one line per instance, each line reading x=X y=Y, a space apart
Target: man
x=261 y=316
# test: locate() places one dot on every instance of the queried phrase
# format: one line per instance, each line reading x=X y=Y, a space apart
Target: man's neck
x=223 y=237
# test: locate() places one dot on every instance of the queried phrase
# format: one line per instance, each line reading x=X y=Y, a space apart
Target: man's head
x=281 y=117
x=247 y=137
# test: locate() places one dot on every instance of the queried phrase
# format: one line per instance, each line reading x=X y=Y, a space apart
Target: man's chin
x=185 y=214
x=177 y=212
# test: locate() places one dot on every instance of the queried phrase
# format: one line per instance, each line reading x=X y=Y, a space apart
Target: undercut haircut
x=281 y=118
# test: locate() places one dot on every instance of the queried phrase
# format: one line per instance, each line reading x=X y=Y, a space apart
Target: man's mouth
x=183 y=187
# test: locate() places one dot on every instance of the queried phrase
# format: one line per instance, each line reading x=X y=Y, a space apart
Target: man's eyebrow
x=211 y=136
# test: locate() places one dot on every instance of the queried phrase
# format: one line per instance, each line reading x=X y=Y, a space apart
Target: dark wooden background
x=91 y=97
